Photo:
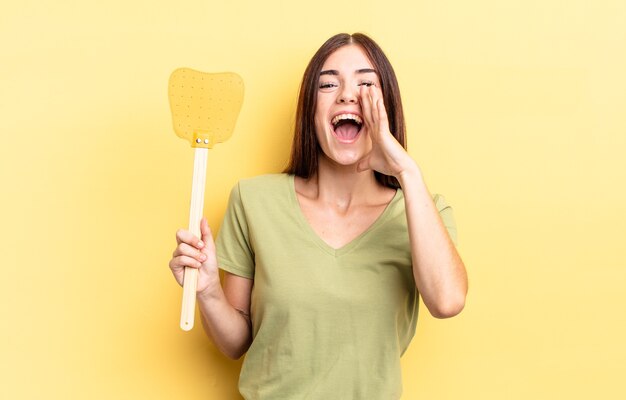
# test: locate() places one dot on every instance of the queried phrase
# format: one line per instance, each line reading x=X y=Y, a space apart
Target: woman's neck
x=341 y=186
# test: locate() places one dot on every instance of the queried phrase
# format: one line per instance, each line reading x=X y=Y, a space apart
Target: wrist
x=410 y=173
x=213 y=291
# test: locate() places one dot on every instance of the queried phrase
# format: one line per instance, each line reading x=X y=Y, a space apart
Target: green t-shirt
x=327 y=323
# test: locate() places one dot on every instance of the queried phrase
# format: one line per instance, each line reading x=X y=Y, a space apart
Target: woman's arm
x=225 y=311
x=226 y=315
x=438 y=271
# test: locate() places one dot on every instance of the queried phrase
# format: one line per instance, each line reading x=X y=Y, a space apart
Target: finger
x=376 y=109
x=184 y=261
x=204 y=227
x=184 y=249
x=382 y=114
x=366 y=105
x=374 y=95
x=379 y=111
x=207 y=236
x=184 y=236
x=373 y=112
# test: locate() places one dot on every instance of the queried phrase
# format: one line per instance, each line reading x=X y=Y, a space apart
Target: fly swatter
x=204 y=109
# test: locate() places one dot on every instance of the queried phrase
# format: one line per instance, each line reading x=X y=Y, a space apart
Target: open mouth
x=347 y=127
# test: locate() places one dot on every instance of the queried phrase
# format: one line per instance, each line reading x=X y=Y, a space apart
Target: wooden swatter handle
x=190 y=282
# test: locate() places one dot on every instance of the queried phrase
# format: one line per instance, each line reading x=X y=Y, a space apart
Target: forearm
x=438 y=270
x=228 y=328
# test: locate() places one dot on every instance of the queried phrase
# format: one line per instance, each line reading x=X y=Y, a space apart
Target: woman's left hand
x=387 y=156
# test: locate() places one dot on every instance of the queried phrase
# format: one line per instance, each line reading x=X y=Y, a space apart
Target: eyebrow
x=358 y=71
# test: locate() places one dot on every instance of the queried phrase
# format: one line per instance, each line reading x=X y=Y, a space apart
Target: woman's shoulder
x=265 y=179
x=268 y=186
x=264 y=182
x=438 y=198
x=440 y=202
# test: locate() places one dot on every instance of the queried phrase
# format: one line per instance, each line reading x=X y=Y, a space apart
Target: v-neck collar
x=336 y=252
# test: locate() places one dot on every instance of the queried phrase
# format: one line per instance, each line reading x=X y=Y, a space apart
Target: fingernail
x=200 y=243
x=203 y=256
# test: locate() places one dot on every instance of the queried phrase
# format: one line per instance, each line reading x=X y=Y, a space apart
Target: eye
x=328 y=85
x=366 y=83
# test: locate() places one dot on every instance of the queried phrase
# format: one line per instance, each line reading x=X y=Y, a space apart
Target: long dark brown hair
x=305 y=148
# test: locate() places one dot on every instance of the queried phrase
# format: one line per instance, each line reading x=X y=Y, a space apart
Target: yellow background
x=516 y=112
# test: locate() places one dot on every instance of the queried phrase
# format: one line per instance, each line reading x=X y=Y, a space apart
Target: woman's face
x=339 y=123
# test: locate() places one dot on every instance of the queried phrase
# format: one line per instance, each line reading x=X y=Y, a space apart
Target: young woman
x=324 y=263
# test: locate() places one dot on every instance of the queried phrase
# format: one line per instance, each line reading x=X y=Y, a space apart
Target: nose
x=347 y=95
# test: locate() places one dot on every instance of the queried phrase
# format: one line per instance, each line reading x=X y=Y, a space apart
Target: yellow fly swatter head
x=204 y=106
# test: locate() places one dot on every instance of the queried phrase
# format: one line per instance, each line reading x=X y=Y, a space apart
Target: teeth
x=340 y=117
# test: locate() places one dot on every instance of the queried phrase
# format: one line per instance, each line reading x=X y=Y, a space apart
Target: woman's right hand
x=195 y=253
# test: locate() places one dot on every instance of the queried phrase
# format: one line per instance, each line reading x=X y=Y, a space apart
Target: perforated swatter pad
x=204 y=106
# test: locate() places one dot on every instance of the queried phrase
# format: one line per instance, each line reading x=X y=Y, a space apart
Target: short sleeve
x=234 y=251
x=447 y=216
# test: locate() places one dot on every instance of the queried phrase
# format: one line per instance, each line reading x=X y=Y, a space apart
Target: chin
x=344 y=158
x=341 y=152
